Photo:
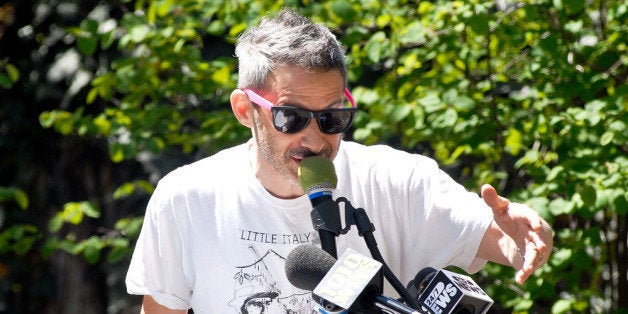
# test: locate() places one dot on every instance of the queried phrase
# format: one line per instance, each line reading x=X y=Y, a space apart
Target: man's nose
x=312 y=137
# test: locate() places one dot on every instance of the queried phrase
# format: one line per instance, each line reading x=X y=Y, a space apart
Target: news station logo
x=449 y=292
x=443 y=297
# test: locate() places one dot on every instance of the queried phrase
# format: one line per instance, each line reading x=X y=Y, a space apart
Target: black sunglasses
x=288 y=119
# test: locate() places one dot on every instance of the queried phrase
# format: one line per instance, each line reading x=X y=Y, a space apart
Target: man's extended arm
x=517 y=237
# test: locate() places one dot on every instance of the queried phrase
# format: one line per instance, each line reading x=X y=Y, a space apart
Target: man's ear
x=240 y=105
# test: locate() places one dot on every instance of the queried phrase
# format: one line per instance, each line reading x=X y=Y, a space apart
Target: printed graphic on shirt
x=274 y=238
x=260 y=285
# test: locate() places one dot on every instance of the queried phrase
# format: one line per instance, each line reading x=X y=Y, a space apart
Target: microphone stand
x=360 y=219
x=326 y=219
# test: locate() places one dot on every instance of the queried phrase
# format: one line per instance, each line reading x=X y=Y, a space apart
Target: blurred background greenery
x=99 y=99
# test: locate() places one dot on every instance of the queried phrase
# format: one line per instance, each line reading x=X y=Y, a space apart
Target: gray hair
x=286 y=39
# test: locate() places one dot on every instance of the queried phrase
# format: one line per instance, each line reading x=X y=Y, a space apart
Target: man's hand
x=531 y=233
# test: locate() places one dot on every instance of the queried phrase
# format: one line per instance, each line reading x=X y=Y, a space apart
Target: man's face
x=279 y=154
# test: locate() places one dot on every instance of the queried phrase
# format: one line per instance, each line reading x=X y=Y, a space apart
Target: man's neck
x=277 y=185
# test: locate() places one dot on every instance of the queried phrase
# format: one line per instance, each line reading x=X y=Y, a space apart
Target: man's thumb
x=492 y=199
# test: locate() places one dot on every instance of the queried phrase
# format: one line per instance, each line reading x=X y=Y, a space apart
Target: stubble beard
x=281 y=162
x=269 y=152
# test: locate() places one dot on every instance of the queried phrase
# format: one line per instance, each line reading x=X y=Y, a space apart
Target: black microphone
x=317 y=177
x=349 y=283
x=305 y=267
x=443 y=291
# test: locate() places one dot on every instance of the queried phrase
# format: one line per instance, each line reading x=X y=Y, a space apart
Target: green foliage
x=130 y=188
x=10 y=193
x=162 y=91
x=9 y=74
x=73 y=213
x=18 y=238
x=529 y=97
x=117 y=241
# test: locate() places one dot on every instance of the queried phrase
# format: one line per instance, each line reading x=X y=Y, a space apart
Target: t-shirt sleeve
x=423 y=217
x=455 y=219
x=156 y=267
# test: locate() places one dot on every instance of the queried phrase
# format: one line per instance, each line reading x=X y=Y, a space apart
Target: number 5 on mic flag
x=347 y=278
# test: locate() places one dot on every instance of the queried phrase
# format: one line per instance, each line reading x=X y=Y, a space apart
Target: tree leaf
x=607 y=138
x=464 y=103
x=139 y=32
x=116 y=254
x=5 y=81
x=55 y=223
x=21 y=198
x=72 y=213
x=562 y=306
x=560 y=206
x=13 y=72
x=90 y=210
x=446 y=119
x=588 y=194
x=513 y=142
x=479 y=23
x=431 y=102
x=374 y=46
x=87 y=45
x=620 y=202
x=343 y=9
x=412 y=33
x=107 y=39
x=399 y=112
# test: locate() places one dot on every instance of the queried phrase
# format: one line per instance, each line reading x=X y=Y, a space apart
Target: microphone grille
x=317 y=173
x=306 y=265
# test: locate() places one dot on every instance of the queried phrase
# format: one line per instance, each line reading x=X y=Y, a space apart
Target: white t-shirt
x=215 y=240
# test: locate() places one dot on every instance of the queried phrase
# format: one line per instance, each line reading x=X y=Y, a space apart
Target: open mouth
x=299 y=156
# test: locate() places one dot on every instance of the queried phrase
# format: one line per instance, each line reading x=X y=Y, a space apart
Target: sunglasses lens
x=335 y=121
x=290 y=120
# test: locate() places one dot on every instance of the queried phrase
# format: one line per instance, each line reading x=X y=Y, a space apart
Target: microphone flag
x=347 y=278
x=449 y=292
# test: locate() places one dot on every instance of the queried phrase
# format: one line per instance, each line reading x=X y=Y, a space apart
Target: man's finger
x=493 y=200
x=531 y=259
x=521 y=276
x=543 y=239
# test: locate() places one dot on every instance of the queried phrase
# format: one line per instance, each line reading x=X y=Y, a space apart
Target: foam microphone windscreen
x=316 y=173
x=306 y=266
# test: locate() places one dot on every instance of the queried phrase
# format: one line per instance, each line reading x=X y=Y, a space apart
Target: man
x=217 y=232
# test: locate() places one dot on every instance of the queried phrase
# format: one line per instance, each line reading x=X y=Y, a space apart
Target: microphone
x=305 y=267
x=349 y=283
x=317 y=177
x=443 y=291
